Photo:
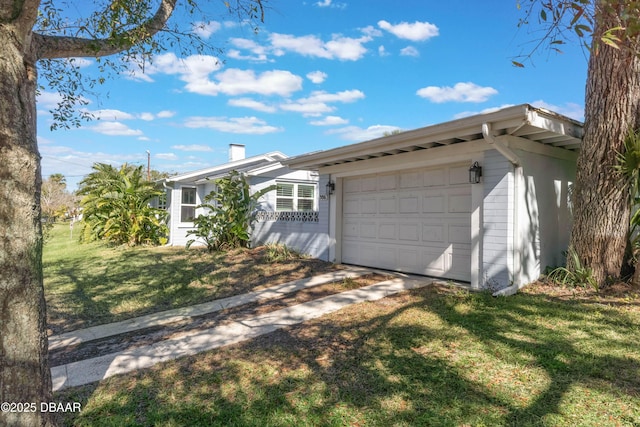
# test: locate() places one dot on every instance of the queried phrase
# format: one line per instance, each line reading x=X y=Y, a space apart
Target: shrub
x=231 y=212
x=580 y=275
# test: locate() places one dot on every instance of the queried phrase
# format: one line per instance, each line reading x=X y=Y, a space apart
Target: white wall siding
x=311 y=238
x=544 y=218
x=498 y=221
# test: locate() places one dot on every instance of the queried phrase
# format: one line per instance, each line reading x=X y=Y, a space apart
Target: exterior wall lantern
x=331 y=187
x=475 y=172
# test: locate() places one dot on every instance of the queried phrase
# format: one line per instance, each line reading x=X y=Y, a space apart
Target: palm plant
x=116 y=206
x=629 y=167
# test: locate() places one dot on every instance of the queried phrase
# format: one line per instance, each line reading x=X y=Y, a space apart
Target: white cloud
x=111 y=115
x=166 y=156
x=238 y=82
x=205 y=29
x=253 y=104
x=339 y=47
x=192 y=69
x=409 y=51
x=330 y=3
x=48 y=99
x=74 y=164
x=417 y=31
x=166 y=114
x=355 y=133
x=460 y=92
x=317 y=103
x=115 y=129
x=330 y=121
x=307 y=109
x=239 y=125
x=258 y=52
x=196 y=72
x=317 y=77
x=80 y=62
x=192 y=147
x=382 y=51
x=344 y=96
x=52 y=99
x=371 y=31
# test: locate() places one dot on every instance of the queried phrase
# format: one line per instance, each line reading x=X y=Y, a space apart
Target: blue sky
x=318 y=75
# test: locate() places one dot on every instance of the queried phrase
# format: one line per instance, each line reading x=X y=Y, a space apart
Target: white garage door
x=415 y=221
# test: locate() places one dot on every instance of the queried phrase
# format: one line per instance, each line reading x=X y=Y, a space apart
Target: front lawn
x=438 y=356
x=94 y=283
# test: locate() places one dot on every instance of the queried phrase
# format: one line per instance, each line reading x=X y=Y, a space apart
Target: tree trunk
x=24 y=370
x=601 y=199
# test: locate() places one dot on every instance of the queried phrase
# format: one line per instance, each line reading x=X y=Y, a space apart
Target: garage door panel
x=414 y=221
x=387 y=230
x=411 y=180
x=369 y=206
x=352 y=186
x=351 y=206
x=458 y=175
x=409 y=232
x=459 y=234
x=409 y=204
x=387 y=205
x=409 y=259
x=433 y=204
x=433 y=233
x=433 y=262
x=368 y=230
x=387 y=257
x=350 y=228
x=387 y=182
x=434 y=178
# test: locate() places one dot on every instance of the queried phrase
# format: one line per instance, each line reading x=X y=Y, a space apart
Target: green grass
x=434 y=357
x=94 y=283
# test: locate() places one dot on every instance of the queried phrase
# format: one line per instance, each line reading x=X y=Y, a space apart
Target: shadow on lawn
x=367 y=366
x=131 y=282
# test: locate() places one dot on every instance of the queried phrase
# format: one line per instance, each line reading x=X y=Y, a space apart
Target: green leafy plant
x=116 y=207
x=230 y=214
x=579 y=275
x=629 y=167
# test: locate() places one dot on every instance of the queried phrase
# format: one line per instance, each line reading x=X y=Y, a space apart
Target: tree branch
x=51 y=47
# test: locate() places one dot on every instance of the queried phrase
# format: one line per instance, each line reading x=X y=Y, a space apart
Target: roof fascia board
x=502 y=121
x=268 y=157
x=507 y=117
x=450 y=154
x=555 y=123
x=523 y=144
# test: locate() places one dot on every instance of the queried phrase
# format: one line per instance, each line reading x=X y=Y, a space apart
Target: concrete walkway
x=193 y=342
x=175 y=315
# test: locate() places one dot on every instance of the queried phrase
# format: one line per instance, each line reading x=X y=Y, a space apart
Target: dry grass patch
x=90 y=284
x=436 y=356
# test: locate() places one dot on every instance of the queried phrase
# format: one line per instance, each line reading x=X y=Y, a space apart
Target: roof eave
x=507 y=120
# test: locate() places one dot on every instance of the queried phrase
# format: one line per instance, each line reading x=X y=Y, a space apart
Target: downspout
x=170 y=242
x=517 y=172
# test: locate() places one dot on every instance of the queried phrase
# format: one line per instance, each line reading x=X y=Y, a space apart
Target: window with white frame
x=188 y=204
x=295 y=197
x=162 y=201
